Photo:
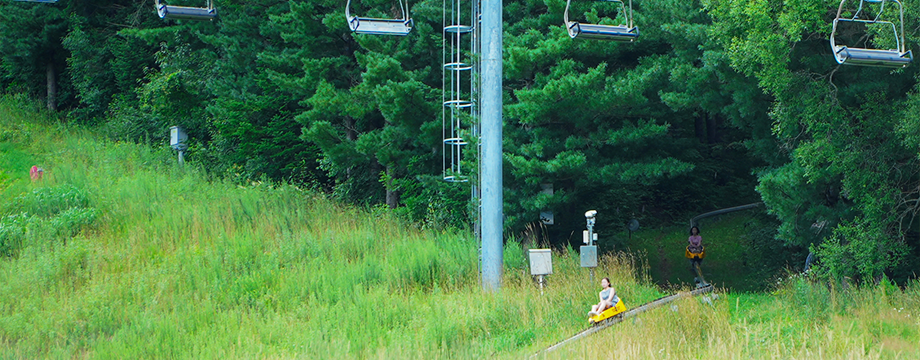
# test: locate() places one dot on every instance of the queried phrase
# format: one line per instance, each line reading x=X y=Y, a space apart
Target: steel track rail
x=629 y=314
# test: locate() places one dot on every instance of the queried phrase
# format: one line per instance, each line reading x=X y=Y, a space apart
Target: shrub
x=49 y=201
x=43 y=217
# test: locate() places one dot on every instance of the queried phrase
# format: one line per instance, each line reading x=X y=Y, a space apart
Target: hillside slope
x=119 y=253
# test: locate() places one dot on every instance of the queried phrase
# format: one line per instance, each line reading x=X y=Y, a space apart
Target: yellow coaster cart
x=617 y=309
x=695 y=255
x=701 y=281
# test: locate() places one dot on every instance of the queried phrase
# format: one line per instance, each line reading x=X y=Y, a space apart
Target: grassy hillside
x=171 y=263
x=735 y=258
x=120 y=253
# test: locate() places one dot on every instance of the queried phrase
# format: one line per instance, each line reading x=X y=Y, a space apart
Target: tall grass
x=800 y=320
x=177 y=264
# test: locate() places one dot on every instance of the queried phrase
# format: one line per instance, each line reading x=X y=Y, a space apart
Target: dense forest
x=718 y=103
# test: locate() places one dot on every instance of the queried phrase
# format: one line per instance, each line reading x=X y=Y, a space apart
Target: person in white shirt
x=608 y=298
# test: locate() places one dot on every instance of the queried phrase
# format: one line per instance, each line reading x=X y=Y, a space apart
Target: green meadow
x=118 y=252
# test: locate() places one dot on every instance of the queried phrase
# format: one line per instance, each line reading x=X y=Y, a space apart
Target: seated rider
x=695 y=240
x=695 y=247
x=608 y=298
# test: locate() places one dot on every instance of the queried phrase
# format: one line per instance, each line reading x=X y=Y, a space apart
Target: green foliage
x=23 y=230
x=31 y=46
x=743 y=252
x=284 y=91
x=179 y=265
x=43 y=216
x=434 y=203
x=49 y=201
x=850 y=173
x=715 y=98
x=12 y=232
x=859 y=249
x=176 y=256
x=621 y=127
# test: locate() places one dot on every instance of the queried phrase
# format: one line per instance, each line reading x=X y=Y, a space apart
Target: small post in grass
x=178 y=139
x=589 y=250
x=541 y=264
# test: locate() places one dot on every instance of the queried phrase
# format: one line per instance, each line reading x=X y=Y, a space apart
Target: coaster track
x=626 y=315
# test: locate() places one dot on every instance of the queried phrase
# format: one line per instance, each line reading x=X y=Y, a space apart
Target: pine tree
x=33 y=55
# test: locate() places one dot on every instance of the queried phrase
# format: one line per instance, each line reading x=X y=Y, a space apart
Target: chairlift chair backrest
x=624 y=32
x=186 y=12
x=847 y=55
x=373 y=26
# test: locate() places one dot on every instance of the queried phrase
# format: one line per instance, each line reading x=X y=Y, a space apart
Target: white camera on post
x=589 y=251
x=590 y=215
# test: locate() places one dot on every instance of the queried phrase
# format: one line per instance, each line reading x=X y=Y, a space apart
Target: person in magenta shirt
x=696 y=247
x=695 y=240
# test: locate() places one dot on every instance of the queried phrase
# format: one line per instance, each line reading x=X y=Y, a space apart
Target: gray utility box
x=589 y=256
x=541 y=262
x=178 y=139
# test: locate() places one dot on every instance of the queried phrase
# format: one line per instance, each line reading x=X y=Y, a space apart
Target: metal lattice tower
x=481 y=110
x=459 y=79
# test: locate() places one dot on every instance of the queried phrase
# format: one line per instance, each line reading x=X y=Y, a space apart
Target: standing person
x=608 y=298
x=695 y=251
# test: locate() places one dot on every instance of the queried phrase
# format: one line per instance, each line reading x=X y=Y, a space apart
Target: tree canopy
x=718 y=103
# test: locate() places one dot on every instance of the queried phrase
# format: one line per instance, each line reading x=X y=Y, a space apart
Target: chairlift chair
x=847 y=55
x=374 y=26
x=186 y=12
x=623 y=33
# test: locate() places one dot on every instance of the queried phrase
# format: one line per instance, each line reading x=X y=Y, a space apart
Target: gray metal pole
x=491 y=144
x=181 y=158
x=590 y=243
